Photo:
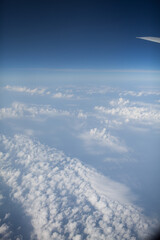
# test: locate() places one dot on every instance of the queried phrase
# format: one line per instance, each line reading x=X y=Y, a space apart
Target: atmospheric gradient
x=79 y=120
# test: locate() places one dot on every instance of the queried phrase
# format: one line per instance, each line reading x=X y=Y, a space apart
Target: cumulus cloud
x=39 y=91
x=66 y=199
x=104 y=139
x=62 y=95
x=119 y=102
x=19 y=110
x=82 y=115
x=131 y=111
x=5 y=232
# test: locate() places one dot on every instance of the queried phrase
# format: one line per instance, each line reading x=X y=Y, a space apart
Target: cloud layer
x=141 y=93
x=37 y=91
x=64 y=198
x=127 y=111
x=18 y=110
x=33 y=91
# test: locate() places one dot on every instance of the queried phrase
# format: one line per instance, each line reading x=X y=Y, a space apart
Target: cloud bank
x=19 y=110
x=141 y=93
x=64 y=198
x=131 y=111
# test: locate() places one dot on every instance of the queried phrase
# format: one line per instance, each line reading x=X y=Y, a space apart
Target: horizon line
x=88 y=70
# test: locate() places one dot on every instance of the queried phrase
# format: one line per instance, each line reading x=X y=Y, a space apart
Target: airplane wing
x=152 y=39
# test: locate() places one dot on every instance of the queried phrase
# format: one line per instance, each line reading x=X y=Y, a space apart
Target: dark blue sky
x=80 y=34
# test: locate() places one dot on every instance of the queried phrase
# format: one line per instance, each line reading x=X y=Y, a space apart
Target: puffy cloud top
x=64 y=198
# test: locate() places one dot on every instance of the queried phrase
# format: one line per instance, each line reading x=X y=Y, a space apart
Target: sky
x=79 y=34
x=79 y=120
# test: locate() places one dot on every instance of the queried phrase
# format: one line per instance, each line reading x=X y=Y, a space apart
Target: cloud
x=1 y=196
x=5 y=232
x=66 y=199
x=131 y=111
x=19 y=110
x=39 y=91
x=82 y=115
x=104 y=139
x=100 y=90
x=61 y=95
x=110 y=189
x=141 y=93
x=119 y=102
x=9 y=230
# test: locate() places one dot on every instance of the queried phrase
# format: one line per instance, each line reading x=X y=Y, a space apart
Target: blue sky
x=79 y=119
x=80 y=34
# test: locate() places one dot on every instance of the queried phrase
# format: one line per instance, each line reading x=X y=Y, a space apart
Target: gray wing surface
x=152 y=39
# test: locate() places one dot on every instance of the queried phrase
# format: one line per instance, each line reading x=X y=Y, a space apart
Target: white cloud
x=82 y=115
x=62 y=95
x=119 y=102
x=5 y=232
x=7 y=227
x=64 y=198
x=131 y=111
x=19 y=110
x=140 y=93
x=7 y=216
x=1 y=196
x=39 y=91
x=104 y=139
x=110 y=189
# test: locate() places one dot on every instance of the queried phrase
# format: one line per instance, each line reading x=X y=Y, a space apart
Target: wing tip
x=151 y=39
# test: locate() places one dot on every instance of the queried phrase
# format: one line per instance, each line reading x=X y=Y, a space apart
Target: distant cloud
x=38 y=91
x=102 y=90
x=62 y=95
x=82 y=115
x=141 y=93
x=65 y=198
x=103 y=138
x=30 y=91
x=131 y=111
x=19 y=110
x=120 y=102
